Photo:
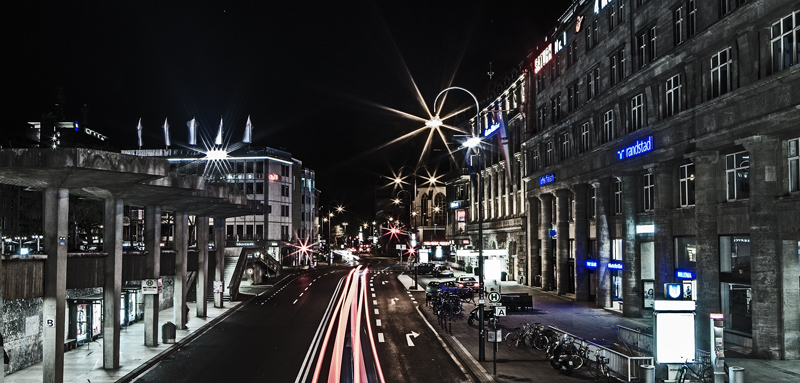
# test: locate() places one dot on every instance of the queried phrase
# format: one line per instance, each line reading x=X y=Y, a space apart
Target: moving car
x=470 y=281
x=442 y=271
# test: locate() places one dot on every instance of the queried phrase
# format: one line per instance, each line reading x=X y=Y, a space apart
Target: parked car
x=423 y=268
x=442 y=271
x=432 y=289
x=469 y=281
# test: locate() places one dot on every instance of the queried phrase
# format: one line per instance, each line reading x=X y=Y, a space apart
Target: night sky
x=318 y=79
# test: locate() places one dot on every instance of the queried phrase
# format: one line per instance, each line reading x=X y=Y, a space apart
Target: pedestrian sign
x=494 y=296
x=500 y=311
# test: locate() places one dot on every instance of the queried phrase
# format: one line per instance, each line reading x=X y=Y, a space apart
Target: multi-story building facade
x=665 y=149
x=657 y=142
x=268 y=175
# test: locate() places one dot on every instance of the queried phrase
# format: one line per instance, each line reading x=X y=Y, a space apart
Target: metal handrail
x=619 y=364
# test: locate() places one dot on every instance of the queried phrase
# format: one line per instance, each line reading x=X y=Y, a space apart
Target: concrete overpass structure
x=118 y=180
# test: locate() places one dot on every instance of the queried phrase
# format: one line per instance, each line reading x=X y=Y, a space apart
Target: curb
x=475 y=370
x=177 y=345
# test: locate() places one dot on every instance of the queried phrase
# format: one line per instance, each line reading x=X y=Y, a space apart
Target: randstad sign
x=636 y=149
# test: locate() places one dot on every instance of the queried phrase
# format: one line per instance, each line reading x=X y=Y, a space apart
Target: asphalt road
x=278 y=336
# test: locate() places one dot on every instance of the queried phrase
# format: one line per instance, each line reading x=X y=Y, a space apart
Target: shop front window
x=734 y=256
x=736 y=299
x=685 y=253
x=616 y=274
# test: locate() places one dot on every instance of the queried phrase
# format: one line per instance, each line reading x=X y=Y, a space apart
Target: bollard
x=647 y=373
x=736 y=375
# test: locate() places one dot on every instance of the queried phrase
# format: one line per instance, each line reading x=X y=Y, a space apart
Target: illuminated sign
x=578 y=21
x=615 y=265
x=461 y=215
x=684 y=274
x=498 y=122
x=543 y=58
x=741 y=240
x=455 y=204
x=636 y=149
x=561 y=42
x=673 y=290
x=645 y=229
x=245 y=244
x=274 y=177
x=436 y=243
x=465 y=241
x=547 y=179
x=600 y=4
x=553 y=233
x=591 y=263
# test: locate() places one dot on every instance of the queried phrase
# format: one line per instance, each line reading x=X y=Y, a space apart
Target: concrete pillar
x=664 y=243
x=534 y=257
x=767 y=284
x=545 y=224
x=603 y=236
x=790 y=320
x=180 y=311
x=219 y=252
x=581 y=223
x=707 y=239
x=112 y=286
x=152 y=244
x=562 y=241
x=201 y=282
x=54 y=214
x=631 y=257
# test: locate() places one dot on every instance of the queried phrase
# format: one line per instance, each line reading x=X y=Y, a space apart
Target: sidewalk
x=582 y=319
x=86 y=362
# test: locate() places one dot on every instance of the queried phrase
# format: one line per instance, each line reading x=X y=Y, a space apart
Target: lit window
x=617 y=197
x=738 y=172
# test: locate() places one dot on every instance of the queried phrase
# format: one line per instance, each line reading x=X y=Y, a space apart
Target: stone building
x=663 y=148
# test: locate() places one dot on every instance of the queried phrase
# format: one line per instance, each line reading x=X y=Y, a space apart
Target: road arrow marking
x=394 y=300
x=408 y=338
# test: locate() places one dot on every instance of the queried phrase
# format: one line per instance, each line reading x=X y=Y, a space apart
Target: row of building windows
x=737 y=167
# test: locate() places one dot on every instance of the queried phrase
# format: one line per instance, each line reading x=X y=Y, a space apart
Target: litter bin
x=736 y=375
x=168 y=332
x=647 y=373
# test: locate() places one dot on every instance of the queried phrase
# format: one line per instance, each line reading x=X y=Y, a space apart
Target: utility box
x=168 y=331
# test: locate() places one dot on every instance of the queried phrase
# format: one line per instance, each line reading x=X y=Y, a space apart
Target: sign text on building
x=547 y=179
x=543 y=58
x=636 y=149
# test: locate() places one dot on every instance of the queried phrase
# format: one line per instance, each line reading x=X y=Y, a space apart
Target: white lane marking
x=295 y=301
x=373 y=295
x=374 y=302
x=372 y=289
x=380 y=337
x=301 y=294
x=376 y=312
x=378 y=322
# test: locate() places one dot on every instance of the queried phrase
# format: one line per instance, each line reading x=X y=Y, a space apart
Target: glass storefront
x=616 y=273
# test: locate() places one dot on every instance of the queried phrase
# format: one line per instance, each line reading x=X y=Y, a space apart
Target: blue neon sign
x=547 y=179
x=684 y=274
x=491 y=129
x=591 y=263
x=673 y=290
x=615 y=265
x=636 y=149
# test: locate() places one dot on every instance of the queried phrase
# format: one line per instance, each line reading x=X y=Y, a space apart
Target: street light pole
x=474 y=144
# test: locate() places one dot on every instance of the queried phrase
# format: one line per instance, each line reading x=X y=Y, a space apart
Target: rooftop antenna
x=490 y=72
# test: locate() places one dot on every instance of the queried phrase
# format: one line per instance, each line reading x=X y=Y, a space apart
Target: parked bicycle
x=702 y=371
x=599 y=368
x=543 y=338
x=518 y=336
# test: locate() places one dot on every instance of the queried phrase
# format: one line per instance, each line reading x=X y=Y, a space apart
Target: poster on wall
x=81 y=323
x=649 y=293
x=97 y=315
